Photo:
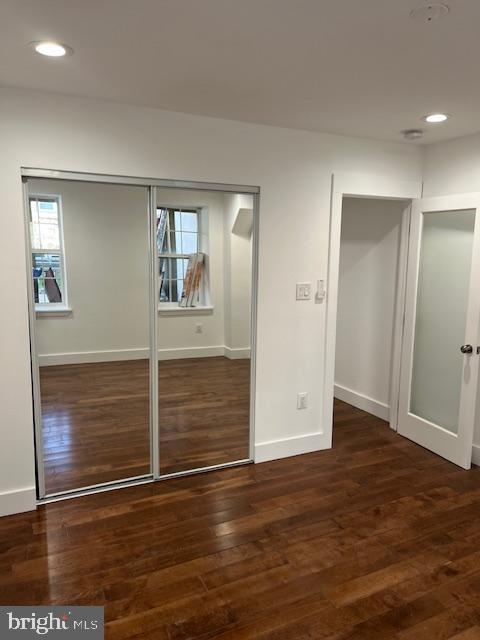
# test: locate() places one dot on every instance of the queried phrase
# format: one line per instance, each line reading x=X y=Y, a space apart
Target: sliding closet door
x=89 y=253
x=204 y=247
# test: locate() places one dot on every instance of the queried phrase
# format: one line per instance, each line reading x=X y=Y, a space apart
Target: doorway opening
x=370 y=304
x=428 y=372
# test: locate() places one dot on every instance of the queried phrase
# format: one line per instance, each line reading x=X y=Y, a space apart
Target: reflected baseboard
x=190 y=352
x=115 y=355
x=236 y=354
x=86 y=357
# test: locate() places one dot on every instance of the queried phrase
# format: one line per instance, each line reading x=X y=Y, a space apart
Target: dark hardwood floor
x=96 y=418
x=376 y=538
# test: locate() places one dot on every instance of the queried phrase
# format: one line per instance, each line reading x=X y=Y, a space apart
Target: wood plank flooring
x=96 y=418
x=376 y=538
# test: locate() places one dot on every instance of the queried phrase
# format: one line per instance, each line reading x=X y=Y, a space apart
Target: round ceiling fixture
x=436 y=117
x=412 y=134
x=430 y=12
x=51 y=49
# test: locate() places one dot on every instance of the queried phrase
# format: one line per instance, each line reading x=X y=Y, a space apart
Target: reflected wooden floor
x=96 y=418
x=95 y=423
x=374 y=539
x=204 y=409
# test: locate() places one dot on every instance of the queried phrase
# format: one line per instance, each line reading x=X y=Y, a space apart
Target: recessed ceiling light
x=436 y=117
x=51 y=49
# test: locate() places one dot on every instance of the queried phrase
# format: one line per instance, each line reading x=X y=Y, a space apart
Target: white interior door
x=438 y=381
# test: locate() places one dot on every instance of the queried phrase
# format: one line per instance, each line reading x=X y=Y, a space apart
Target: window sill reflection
x=172 y=309
x=55 y=312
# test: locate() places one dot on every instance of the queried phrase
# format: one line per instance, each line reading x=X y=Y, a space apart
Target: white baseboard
x=190 y=352
x=115 y=355
x=84 y=357
x=476 y=454
x=18 y=501
x=236 y=354
x=376 y=408
x=286 y=447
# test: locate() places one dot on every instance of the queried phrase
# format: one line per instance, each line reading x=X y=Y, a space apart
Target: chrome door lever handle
x=466 y=348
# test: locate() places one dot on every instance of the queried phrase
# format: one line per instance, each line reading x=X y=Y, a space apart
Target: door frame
x=357 y=185
x=151 y=184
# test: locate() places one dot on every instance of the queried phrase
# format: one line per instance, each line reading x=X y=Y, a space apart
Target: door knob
x=466 y=348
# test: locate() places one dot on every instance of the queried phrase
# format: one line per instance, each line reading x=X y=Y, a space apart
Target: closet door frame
x=155 y=451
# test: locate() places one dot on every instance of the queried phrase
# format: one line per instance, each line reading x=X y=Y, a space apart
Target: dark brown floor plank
x=375 y=538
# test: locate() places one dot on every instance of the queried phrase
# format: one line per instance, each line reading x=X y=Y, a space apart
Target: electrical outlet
x=302 y=400
x=199 y=328
x=304 y=290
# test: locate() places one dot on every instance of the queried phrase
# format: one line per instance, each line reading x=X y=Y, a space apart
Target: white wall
x=454 y=167
x=106 y=249
x=293 y=169
x=238 y=273
x=369 y=253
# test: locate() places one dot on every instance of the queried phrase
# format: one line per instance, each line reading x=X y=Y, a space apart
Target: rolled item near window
x=197 y=278
x=51 y=286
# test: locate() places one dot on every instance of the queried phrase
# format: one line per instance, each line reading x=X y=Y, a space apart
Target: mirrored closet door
x=141 y=313
x=89 y=254
x=205 y=261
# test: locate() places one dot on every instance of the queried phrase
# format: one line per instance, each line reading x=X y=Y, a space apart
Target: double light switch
x=304 y=291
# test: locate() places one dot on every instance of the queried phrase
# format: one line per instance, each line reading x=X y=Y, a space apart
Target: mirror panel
x=204 y=242
x=90 y=270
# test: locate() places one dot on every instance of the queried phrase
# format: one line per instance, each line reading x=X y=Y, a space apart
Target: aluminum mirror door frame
x=151 y=184
x=455 y=447
x=42 y=490
x=154 y=329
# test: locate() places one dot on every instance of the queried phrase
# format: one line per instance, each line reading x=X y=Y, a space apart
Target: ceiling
x=357 y=67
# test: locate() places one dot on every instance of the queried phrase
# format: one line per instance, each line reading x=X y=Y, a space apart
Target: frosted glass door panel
x=441 y=314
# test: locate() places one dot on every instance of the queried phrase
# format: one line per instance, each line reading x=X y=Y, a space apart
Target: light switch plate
x=304 y=290
x=302 y=400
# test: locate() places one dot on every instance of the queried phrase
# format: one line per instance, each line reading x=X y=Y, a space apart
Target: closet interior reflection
x=141 y=323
